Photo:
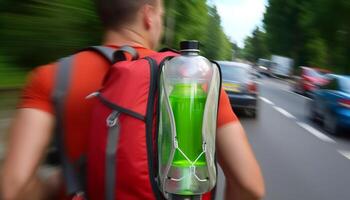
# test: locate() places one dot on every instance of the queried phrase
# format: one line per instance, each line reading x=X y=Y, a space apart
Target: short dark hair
x=115 y=13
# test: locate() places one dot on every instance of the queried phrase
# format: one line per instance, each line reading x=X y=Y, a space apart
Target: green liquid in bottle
x=188 y=102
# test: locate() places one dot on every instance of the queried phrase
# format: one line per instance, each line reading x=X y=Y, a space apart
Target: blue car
x=331 y=104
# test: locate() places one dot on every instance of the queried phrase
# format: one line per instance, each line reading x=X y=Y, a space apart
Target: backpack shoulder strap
x=106 y=52
x=58 y=96
x=59 y=93
x=114 y=55
x=120 y=56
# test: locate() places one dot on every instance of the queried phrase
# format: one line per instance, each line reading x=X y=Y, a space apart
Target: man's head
x=144 y=17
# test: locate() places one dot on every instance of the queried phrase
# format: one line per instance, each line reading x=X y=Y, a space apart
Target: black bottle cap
x=189 y=45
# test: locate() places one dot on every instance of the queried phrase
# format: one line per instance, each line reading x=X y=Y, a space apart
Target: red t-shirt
x=87 y=75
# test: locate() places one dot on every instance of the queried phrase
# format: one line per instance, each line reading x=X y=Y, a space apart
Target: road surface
x=299 y=160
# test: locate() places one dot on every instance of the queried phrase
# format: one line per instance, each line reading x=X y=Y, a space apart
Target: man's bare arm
x=30 y=135
x=244 y=180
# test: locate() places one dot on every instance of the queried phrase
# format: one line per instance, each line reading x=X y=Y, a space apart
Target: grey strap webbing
x=113 y=55
x=120 y=56
x=59 y=93
x=106 y=52
x=62 y=82
x=111 y=150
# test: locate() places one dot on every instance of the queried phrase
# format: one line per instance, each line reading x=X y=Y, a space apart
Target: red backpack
x=122 y=148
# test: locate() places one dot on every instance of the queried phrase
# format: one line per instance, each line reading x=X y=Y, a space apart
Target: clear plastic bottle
x=189 y=93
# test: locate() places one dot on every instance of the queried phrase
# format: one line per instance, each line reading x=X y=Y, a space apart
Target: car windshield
x=234 y=73
x=314 y=73
x=345 y=84
x=265 y=63
x=323 y=72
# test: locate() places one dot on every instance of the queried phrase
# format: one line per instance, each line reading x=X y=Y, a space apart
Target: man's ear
x=147 y=13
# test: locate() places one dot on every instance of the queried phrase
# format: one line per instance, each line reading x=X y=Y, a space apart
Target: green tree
x=255 y=46
x=41 y=31
x=35 y=32
x=237 y=51
x=216 y=45
x=189 y=20
x=284 y=33
x=195 y=20
x=314 y=32
x=317 y=53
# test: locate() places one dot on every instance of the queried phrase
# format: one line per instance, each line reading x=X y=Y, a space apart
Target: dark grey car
x=240 y=86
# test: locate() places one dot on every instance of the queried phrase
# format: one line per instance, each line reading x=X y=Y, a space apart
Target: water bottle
x=189 y=93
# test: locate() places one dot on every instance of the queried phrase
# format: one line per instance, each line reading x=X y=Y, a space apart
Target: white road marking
x=266 y=100
x=346 y=154
x=307 y=98
x=284 y=112
x=316 y=133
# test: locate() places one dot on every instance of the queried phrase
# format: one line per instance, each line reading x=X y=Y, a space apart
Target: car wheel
x=312 y=112
x=330 y=123
x=252 y=113
x=304 y=93
x=294 y=88
x=298 y=89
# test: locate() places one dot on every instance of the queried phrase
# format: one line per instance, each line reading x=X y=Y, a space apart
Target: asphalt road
x=299 y=160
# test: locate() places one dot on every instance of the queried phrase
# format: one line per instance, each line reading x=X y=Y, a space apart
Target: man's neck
x=125 y=36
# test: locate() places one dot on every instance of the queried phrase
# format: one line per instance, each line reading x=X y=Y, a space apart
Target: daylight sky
x=240 y=17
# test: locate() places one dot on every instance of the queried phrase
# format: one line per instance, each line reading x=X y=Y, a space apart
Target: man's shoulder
x=44 y=71
x=52 y=67
x=83 y=58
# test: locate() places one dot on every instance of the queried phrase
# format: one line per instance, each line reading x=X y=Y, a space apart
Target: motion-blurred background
x=313 y=33
x=292 y=50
